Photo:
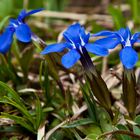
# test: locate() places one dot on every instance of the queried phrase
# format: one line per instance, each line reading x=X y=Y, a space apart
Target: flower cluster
x=20 y=28
x=76 y=41
x=128 y=55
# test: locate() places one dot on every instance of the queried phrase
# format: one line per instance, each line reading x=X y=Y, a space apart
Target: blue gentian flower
x=128 y=55
x=19 y=27
x=76 y=39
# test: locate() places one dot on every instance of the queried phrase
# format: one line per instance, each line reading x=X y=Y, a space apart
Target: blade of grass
x=19 y=120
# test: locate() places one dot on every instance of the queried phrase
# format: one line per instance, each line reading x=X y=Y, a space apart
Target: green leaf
x=6 y=7
x=26 y=58
x=136 y=130
x=3 y=22
x=52 y=66
x=122 y=137
x=92 y=132
x=11 y=93
x=19 y=120
x=48 y=109
x=13 y=128
x=39 y=113
x=137 y=119
x=91 y=104
x=56 y=5
x=76 y=134
x=7 y=70
x=134 y=8
x=118 y=17
x=34 y=4
x=78 y=123
x=105 y=120
x=45 y=84
x=14 y=99
x=24 y=111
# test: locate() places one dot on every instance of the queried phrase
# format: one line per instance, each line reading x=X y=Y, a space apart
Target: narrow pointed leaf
x=79 y=122
x=19 y=120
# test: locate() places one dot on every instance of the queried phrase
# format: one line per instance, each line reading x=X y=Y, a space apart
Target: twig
x=123 y=109
x=73 y=16
x=63 y=15
x=41 y=133
x=78 y=112
x=104 y=68
x=114 y=73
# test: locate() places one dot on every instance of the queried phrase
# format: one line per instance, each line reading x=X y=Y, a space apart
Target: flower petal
x=24 y=14
x=14 y=22
x=58 y=47
x=108 y=42
x=23 y=33
x=6 y=40
x=83 y=36
x=34 y=11
x=70 y=58
x=72 y=33
x=103 y=33
x=124 y=33
x=128 y=57
x=96 y=49
x=135 y=37
x=138 y=41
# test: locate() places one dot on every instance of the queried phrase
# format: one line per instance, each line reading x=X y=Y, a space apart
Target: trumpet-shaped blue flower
x=76 y=39
x=128 y=55
x=19 y=27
